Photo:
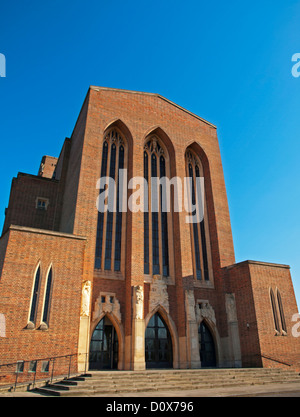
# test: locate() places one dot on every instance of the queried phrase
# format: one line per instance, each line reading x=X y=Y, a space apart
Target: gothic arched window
x=46 y=310
x=199 y=228
x=281 y=313
x=156 y=218
x=35 y=294
x=274 y=311
x=108 y=254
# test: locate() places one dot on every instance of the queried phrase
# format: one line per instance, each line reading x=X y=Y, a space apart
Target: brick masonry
x=65 y=235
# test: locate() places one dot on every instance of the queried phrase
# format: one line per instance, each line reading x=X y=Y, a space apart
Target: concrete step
x=200 y=375
x=114 y=382
x=185 y=382
x=96 y=391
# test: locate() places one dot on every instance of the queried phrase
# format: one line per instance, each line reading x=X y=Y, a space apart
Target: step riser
x=103 y=383
x=118 y=391
x=179 y=383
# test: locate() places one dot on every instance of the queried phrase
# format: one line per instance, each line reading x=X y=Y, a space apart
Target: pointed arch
x=197 y=170
x=123 y=128
x=281 y=312
x=168 y=146
x=211 y=325
x=200 y=152
x=34 y=296
x=172 y=329
x=47 y=298
x=117 y=149
x=120 y=333
x=207 y=344
x=274 y=311
x=159 y=162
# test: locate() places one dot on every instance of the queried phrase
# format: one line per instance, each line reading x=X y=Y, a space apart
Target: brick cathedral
x=133 y=290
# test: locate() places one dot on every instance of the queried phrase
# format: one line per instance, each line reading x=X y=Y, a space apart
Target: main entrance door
x=158 y=344
x=207 y=347
x=104 y=346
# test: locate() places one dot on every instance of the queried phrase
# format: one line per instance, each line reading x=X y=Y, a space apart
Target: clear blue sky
x=227 y=61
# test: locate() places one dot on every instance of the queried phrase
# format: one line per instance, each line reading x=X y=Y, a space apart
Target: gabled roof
x=95 y=88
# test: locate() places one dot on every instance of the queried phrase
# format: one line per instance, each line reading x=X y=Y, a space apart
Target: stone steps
x=122 y=382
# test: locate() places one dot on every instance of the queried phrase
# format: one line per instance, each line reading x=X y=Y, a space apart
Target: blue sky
x=229 y=62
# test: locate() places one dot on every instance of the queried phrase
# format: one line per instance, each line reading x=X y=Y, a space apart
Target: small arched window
x=274 y=311
x=47 y=299
x=281 y=312
x=108 y=254
x=35 y=295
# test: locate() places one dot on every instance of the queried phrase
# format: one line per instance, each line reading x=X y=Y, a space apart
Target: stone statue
x=139 y=302
x=190 y=305
x=231 y=308
x=107 y=303
x=85 y=300
x=158 y=294
x=205 y=310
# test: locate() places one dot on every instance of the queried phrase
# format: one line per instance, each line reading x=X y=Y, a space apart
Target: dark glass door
x=158 y=344
x=104 y=346
x=207 y=347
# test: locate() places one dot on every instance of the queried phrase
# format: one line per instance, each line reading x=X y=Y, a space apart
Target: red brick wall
x=238 y=281
x=47 y=166
x=22 y=203
x=142 y=114
x=137 y=115
x=69 y=205
x=251 y=282
x=24 y=249
x=285 y=348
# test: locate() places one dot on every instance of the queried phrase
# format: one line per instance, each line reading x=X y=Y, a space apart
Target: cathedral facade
x=135 y=287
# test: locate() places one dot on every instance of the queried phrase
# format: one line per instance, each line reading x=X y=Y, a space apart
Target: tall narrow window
x=146 y=220
x=195 y=228
x=164 y=223
x=100 y=213
x=155 y=230
x=156 y=259
x=199 y=238
x=119 y=215
x=203 y=237
x=274 y=311
x=35 y=294
x=46 y=311
x=281 y=312
x=108 y=255
x=110 y=214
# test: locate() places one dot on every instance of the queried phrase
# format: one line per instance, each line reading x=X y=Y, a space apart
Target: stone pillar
x=192 y=330
x=138 y=329
x=84 y=327
x=233 y=330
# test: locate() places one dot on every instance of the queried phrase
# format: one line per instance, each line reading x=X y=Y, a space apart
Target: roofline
x=250 y=262
x=25 y=229
x=95 y=88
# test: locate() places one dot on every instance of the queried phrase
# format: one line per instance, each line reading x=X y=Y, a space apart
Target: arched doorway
x=158 y=344
x=206 y=346
x=104 y=346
